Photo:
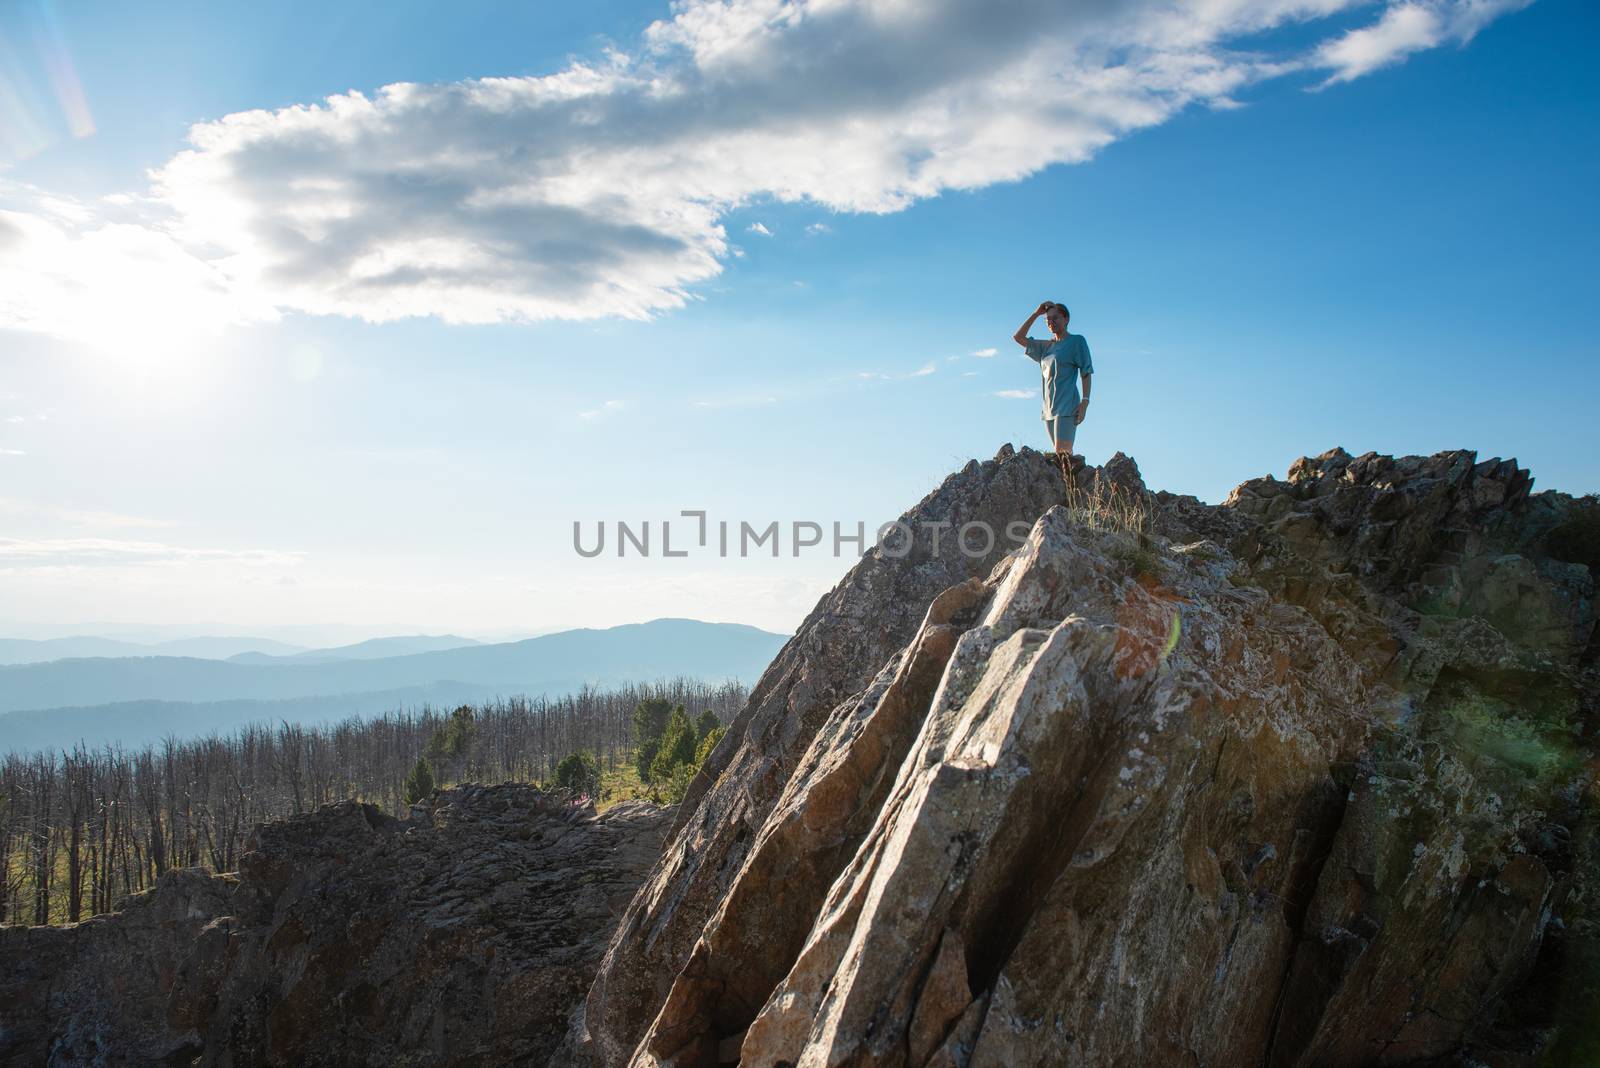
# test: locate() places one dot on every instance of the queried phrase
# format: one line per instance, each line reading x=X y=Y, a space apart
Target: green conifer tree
x=419 y=784
x=644 y=758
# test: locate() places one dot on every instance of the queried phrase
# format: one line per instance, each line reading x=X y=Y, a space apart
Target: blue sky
x=367 y=362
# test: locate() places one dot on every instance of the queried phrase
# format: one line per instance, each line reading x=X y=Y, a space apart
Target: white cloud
x=112 y=282
x=1406 y=27
x=601 y=190
x=12 y=452
x=986 y=354
x=1016 y=394
x=819 y=228
x=925 y=369
x=757 y=228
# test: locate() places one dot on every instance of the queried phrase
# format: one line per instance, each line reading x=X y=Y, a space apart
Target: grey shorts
x=1062 y=428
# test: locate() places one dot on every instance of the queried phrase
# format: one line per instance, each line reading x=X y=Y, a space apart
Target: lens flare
x=42 y=99
x=1174 y=634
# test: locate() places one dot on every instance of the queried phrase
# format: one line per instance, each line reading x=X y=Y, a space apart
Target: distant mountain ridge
x=134 y=724
x=54 y=704
x=43 y=650
x=371 y=649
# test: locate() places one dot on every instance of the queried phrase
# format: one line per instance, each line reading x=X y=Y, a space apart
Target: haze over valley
x=135 y=698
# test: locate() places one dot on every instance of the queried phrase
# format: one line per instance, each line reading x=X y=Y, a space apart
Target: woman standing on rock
x=1058 y=360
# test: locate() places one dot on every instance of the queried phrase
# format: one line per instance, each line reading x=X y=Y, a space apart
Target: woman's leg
x=1057 y=428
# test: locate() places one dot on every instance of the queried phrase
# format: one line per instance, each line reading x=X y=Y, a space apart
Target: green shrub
x=677 y=746
x=676 y=785
x=1136 y=554
x=708 y=743
x=580 y=772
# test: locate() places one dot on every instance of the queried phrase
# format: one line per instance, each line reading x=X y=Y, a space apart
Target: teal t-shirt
x=1061 y=362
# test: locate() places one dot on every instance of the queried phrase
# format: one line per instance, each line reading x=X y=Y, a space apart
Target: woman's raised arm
x=1021 y=336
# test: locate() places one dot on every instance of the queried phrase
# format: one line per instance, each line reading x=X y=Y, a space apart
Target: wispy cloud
x=751 y=401
x=20 y=553
x=610 y=407
x=76 y=516
x=819 y=228
x=884 y=376
x=1016 y=394
x=601 y=190
x=12 y=452
x=986 y=354
x=757 y=228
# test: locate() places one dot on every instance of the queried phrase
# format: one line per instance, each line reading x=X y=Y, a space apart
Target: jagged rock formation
x=1307 y=778
x=461 y=935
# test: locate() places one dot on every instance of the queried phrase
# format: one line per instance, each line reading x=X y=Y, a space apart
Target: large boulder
x=1305 y=778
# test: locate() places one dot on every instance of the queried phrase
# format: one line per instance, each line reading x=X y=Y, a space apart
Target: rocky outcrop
x=459 y=936
x=1307 y=778
x=462 y=935
x=95 y=992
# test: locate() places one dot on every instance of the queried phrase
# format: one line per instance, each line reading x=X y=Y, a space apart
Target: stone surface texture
x=1304 y=778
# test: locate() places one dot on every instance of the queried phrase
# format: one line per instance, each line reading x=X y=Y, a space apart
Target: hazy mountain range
x=372 y=649
x=138 y=699
x=40 y=651
x=218 y=647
